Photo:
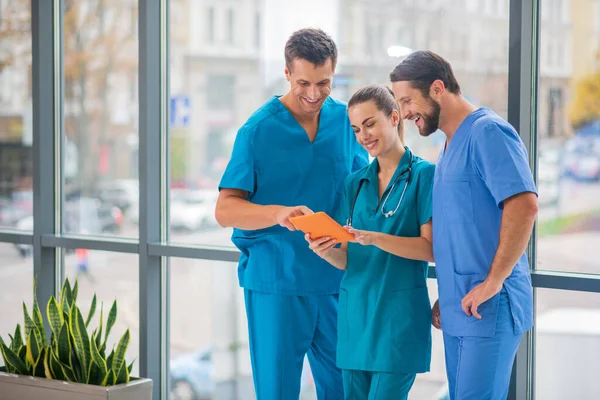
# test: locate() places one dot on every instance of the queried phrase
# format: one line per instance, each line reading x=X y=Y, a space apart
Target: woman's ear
x=396 y=118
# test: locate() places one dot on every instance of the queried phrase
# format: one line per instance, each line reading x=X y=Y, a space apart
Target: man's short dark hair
x=312 y=45
x=422 y=68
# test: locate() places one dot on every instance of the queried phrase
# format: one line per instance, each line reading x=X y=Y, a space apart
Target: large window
x=100 y=141
x=569 y=137
x=138 y=103
x=16 y=154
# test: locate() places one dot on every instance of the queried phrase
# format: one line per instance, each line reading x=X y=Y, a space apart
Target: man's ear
x=437 y=89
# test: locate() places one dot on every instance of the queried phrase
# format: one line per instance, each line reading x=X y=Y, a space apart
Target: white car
x=193 y=210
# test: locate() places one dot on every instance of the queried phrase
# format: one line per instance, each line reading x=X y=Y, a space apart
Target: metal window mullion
x=522 y=114
x=153 y=286
x=46 y=71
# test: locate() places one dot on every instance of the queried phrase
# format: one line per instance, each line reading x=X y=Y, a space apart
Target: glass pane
x=237 y=66
x=569 y=136
x=16 y=275
x=210 y=358
x=112 y=277
x=100 y=168
x=567 y=345
x=16 y=166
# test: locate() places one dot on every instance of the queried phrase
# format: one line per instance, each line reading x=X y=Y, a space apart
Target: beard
x=431 y=121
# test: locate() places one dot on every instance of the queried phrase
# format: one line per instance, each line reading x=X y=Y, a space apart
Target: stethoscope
x=391 y=212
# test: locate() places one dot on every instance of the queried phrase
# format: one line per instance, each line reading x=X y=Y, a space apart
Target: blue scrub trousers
x=367 y=385
x=283 y=329
x=479 y=368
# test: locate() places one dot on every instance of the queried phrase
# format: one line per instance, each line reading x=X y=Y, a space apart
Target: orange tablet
x=320 y=224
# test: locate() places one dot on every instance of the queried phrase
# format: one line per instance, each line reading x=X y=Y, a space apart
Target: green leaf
x=100 y=326
x=113 y=378
x=76 y=365
x=120 y=352
x=112 y=317
x=18 y=339
x=63 y=346
x=98 y=360
x=55 y=315
x=56 y=367
x=10 y=369
x=29 y=325
x=75 y=292
x=39 y=369
x=92 y=312
x=33 y=350
x=81 y=341
x=22 y=353
x=37 y=316
x=10 y=358
x=66 y=297
x=130 y=368
x=109 y=360
x=47 y=370
x=123 y=375
x=105 y=380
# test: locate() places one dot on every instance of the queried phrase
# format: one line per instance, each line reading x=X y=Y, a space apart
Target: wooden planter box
x=20 y=387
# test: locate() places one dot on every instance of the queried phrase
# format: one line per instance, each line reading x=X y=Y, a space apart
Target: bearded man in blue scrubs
x=484 y=207
x=291 y=157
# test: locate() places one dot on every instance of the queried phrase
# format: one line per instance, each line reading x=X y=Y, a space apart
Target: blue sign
x=180 y=111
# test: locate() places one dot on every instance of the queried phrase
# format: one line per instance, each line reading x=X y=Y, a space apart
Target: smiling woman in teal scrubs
x=384 y=317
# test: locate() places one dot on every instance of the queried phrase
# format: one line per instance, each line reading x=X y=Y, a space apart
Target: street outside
x=208 y=328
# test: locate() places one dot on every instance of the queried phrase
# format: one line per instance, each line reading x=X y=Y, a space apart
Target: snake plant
x=73 y=354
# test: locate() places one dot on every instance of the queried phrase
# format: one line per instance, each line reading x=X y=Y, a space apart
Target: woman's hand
x=365 y=238
x=321 y=246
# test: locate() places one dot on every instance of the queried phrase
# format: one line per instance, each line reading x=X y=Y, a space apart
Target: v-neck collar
x=323 y=115
x=372 y=172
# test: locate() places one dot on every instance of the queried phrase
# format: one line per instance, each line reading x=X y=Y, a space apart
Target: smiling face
x=310 y=85
x=423 y=111
x=375 y=131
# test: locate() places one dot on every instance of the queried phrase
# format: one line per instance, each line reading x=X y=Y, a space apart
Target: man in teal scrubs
x=484 y=207
x=289 y=158
x=384 y=324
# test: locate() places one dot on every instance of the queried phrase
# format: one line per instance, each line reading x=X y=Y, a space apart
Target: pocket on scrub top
x=410 y=316
x=464 y=283
x=458 y=201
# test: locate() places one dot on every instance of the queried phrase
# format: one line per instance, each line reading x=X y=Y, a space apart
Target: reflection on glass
x=567 y=337
x=111 y=276
x=16 y=167
x=569 y=136
x=221 y=72
x=210 y=358
x=16 y=275
x=100 y=117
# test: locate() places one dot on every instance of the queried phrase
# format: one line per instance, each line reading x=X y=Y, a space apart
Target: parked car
x=549 y=176
x=193 y=210
x=122 y=193
x=81 y=215
x=582 y=158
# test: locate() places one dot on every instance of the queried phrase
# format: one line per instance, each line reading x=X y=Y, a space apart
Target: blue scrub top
x=484 y=164
x=274 y=160
x=384 y=317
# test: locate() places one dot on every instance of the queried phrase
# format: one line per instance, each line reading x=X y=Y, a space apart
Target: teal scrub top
x=276 y=163
x=384 y=318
